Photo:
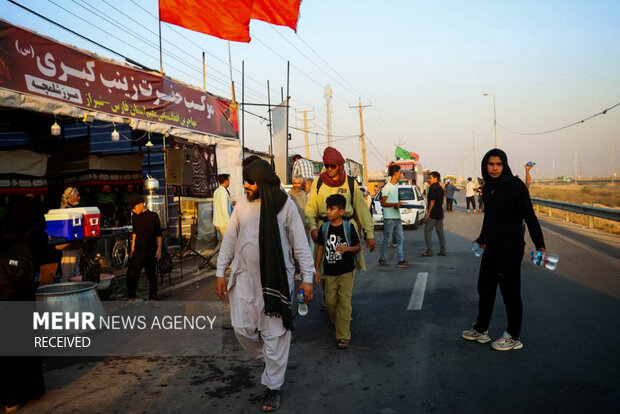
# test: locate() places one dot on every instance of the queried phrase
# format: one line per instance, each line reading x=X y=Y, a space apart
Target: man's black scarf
x=274 y=280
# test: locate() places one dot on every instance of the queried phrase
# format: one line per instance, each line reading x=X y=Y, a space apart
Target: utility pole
x=363 y=139
x=553 y=176
x=575 y=167
x=613 y=161
x=329 y=108
x=494 y=116
x=473 y=153
x=305 y=120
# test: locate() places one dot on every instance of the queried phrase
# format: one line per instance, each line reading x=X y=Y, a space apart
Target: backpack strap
x=347 y=236
x=324 y=230
x=347 y=231
x=351 y=183
x=319 y=183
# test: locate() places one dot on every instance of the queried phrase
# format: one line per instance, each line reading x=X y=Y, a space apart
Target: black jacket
x=507 y=204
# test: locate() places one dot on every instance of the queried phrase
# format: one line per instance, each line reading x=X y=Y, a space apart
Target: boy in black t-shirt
x=338 y=245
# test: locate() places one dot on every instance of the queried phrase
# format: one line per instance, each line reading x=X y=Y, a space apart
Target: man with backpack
x=334 y=181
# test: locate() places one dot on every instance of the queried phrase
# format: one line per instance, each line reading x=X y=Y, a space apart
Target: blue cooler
x=64 y=223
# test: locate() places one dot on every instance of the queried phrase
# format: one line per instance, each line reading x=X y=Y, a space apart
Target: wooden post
x=591 y=222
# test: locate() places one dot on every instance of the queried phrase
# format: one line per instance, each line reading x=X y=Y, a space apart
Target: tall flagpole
x=243 y=109
x=232 y=83
x=161 y=61
x=270 y=130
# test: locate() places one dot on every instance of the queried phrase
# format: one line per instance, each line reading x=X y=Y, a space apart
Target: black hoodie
x=506 y=204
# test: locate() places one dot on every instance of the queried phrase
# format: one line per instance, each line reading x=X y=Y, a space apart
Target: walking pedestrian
x=507 y=203
x=264 y=235
x=300 y=197
x=479 y=193
x=302 y=167
x=145 y=249
x=392 y=224
x=334 y=181
x=434 y=216
x=470 y=195
x=222 y=207
x=337 y=247
x=450 y=190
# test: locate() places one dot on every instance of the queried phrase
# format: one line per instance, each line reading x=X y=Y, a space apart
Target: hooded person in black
x=507 y=204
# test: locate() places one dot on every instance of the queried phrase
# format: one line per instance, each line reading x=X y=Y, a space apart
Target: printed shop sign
x=36 y=65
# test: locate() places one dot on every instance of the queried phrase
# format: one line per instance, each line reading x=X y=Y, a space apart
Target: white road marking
x=417 y=296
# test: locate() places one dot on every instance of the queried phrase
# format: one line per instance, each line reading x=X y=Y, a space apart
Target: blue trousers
x=395 y=227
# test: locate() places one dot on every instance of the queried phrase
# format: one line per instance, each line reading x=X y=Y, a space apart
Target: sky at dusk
x=422 y=65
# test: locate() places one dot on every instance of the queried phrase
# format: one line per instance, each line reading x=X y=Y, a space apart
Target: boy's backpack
x=17 y=270
x=347 y=235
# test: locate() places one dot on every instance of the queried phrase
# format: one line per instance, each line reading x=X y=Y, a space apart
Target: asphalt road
x=406 y=354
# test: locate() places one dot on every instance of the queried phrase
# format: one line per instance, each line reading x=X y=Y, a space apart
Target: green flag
x=402 y=153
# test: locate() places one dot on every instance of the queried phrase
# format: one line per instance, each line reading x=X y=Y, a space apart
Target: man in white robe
x=265 y=337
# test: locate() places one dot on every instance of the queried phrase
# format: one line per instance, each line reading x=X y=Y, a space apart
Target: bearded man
x=263 y=238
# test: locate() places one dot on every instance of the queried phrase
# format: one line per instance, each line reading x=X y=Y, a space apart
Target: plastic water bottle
x=478 y=251
x=302 y=309
x=549 y=261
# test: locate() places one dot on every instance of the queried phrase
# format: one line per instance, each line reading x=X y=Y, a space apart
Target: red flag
x=226 y=19
x=279 y=12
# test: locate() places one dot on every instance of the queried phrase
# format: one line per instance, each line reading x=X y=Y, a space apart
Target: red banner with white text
x=36 y=65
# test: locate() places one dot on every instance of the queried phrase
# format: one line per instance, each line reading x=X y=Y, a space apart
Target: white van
x=411 y=214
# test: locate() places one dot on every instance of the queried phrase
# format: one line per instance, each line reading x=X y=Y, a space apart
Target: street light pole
x=494 y=116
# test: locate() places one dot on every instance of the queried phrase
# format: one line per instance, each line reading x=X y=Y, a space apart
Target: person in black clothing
x=507 y=204
x=434 y=216
x=22 y=238
x=145 y=248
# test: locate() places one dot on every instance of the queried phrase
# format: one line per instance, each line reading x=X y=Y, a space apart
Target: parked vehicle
x=411 y=214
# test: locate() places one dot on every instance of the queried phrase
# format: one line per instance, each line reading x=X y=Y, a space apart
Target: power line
x=603 y=112
x=298 y=129
x=133 y=62
x=329 y=66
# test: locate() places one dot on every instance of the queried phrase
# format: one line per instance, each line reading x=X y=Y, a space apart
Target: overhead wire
x=115 y=37
x=603 y=112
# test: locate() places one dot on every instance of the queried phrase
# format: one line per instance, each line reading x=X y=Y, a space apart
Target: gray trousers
x=431 y=224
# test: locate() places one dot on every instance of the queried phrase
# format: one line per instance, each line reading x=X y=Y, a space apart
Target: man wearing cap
x=334 y=181
x=145 y=248
x=263 y=238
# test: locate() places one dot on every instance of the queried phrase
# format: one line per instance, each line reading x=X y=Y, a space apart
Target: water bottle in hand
x=549 y=261
x=478 y=251
x=302 y=309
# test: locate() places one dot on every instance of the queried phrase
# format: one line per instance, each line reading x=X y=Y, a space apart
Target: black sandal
x=343 y=344
x=272 y=399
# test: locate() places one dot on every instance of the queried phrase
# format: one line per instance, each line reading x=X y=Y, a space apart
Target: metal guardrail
x=600 y=212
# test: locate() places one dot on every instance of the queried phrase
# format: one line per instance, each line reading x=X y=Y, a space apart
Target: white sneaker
x=474 y=335
x=506 y=343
